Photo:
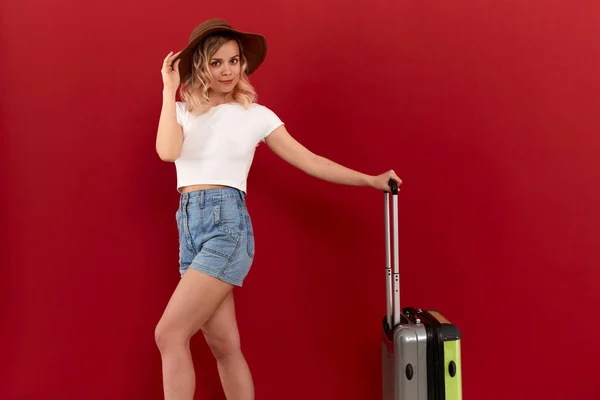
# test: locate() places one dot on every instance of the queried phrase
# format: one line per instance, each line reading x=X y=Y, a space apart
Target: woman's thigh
x=194 y=301
x=221 y=330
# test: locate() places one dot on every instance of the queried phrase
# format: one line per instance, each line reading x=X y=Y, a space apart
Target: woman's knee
x=222 y=344
x=167 y=337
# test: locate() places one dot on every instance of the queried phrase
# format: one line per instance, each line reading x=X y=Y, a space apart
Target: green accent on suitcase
x=453 y=384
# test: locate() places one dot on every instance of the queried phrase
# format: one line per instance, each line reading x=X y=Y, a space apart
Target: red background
x=486 y=109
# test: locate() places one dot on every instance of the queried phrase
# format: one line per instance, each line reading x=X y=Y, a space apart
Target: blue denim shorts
x=215 y=234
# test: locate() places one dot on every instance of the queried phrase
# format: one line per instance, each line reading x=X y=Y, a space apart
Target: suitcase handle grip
x=393 y=186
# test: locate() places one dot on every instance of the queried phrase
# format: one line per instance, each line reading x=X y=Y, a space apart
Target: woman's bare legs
x=222 y=335
x=192 y=304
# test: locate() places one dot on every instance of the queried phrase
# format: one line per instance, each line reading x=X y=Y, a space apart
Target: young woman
x=212 y=136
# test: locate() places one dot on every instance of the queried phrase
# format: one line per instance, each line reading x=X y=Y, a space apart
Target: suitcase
x=443 y=354
x=420 y=349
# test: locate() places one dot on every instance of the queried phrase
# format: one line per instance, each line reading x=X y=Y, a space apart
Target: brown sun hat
x=254 y=46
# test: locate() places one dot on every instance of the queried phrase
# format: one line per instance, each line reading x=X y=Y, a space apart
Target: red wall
x=485 y=109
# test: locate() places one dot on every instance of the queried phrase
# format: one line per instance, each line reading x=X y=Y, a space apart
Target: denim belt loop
x=184 y=201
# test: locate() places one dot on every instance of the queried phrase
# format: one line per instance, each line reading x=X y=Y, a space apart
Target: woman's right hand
x=170 y=72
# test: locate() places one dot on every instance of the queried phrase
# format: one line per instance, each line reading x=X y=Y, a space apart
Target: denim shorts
x=215 y=234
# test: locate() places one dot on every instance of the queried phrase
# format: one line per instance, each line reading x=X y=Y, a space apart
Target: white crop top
x=219 y=145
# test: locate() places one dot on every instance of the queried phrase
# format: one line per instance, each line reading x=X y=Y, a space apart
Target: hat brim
x=254 y=46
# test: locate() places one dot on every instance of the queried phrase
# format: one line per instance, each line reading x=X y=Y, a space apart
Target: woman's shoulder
x=266 y=115
x=260 y=109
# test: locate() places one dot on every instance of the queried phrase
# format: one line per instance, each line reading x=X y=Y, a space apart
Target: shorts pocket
x=249 y=235
x=227 y=217
x=220 y=251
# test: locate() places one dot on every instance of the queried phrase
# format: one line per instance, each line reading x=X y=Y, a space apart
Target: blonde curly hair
x=194 y=90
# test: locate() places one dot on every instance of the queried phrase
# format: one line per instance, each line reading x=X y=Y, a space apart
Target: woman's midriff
x=192 y=188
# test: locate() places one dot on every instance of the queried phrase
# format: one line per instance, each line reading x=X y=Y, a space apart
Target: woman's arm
x=169 y=137
x=289 y=149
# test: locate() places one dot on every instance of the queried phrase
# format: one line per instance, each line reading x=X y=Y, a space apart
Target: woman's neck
x=217 y=99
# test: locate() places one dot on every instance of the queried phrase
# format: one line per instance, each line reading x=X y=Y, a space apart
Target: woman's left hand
x=381 y=181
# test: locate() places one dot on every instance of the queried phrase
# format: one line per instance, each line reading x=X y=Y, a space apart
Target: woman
x=211 y=136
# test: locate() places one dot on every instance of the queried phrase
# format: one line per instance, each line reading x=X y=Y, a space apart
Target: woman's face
x=225 y=67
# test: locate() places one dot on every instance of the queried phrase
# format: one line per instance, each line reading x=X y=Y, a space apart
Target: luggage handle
x=392 y=278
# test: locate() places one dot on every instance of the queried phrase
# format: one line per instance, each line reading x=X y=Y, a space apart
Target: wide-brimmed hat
x=254 y=46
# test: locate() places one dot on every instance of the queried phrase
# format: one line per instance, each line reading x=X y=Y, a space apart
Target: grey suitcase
x=404 y=344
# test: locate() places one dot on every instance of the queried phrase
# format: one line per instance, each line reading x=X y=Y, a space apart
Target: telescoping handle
x=392 y=278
